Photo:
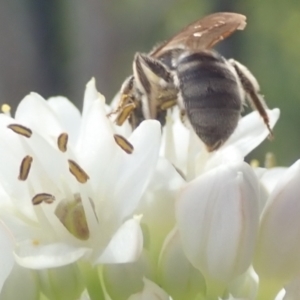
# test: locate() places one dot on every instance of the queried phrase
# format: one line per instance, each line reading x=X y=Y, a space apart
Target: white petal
x=125 y=246
x=21 y=228
x=176 y=139
x=12 y=154
x=245 y=286
x=158 y=203
x=122 y=280
x=217 y=216
x=61 y=283
x=135 y=170
x=34 y=112
x=90 y=95
x=207 y=161
x=6 y=254
x=251 y=131
x=151 y=291
x=68 y=116
x=271 y=177
x=281 y=296
x=176 y=273
x=96 y=147
x=85 y=295
x=40 y=256
x=22 y=283
x=292 y=290
x=278 y=247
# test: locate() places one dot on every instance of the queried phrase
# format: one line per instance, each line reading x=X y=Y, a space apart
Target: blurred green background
x=54 y=47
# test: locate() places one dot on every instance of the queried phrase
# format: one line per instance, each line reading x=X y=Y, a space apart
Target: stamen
x=123 y=143
x=125 y=113
x=42 y=197
x=270 y=160
x=254 y=163
x=20 y=129
x=25 y=168
x=78 y=172
x=62 y=142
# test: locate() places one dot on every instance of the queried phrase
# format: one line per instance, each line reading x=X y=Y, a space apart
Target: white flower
x=6 y=256
x=277 y=259
x=150 y=292
x=94 y=203
x=69 y=189
x=218 y=216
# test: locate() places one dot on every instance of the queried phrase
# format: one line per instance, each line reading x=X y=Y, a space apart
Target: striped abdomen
x=211 y=95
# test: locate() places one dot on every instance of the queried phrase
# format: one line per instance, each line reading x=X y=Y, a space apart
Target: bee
x=184 y=70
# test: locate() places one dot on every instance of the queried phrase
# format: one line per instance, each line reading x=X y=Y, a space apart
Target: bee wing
x=203 y=34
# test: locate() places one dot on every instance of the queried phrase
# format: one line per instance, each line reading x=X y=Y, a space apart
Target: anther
x=42 y=197
x=125 y=113
x=123 y=143
x=20 y=129
x=80 y=175
x=62 y=142
x=25 y=168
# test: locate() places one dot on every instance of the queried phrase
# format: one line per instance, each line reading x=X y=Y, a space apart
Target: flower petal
x=96 y=147
x=68 y=116
x=61 y=283
x=271 y=177
x=151 y=291
x=158 y=204
x=176 y=273
x=6 y=253
x=125 y=246
x=277 y=252
x=34 y=112
x=30 y=255
x=135 y=170
x=251 y=131
x=90 y=95
x=217 y=216
x=22 y=283
x=292 y=290
x=123 y=280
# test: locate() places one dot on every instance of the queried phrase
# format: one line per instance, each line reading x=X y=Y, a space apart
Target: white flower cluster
x=90 y=210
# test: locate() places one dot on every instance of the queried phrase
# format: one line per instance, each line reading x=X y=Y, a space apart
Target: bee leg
x=127 y=104
x=251 y=88
x=124 y=113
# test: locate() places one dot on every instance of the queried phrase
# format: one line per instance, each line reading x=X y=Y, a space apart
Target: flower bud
x=277 y=257
x=217 y=216
x=150 y=291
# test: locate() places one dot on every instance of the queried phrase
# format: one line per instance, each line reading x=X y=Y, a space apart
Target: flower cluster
x=90 y=210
